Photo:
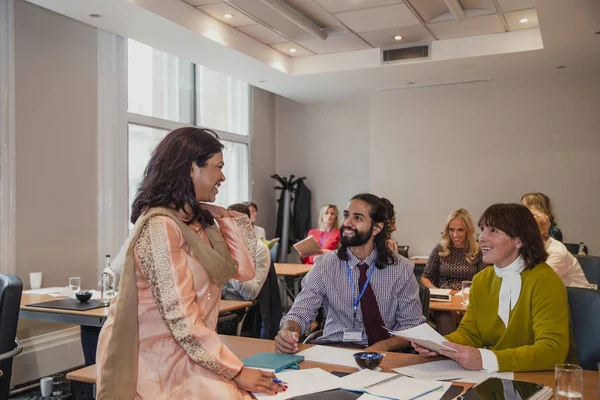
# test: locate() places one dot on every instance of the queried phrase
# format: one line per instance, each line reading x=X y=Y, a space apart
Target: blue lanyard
x=323 y=239
x=357 y=301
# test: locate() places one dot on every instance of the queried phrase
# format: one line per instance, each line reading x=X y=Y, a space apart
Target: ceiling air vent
x=406 y=53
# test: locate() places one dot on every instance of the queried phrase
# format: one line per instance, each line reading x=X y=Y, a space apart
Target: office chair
x=585 y=308
x=591 y=268
x=11 y=288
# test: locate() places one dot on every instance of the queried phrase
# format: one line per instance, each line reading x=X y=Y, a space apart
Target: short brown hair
x=517 y=222
x=241 y=208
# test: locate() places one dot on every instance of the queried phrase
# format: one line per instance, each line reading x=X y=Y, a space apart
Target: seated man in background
x=248 y=290
x=362 y=286
x=559 y=258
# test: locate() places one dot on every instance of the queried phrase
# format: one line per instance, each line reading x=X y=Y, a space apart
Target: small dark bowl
x=368 y=359
x=83 y=296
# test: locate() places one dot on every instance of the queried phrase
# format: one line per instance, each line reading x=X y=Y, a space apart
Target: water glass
x=35 y=280
x=466 y=289
x=569 y=381
x=75 y=284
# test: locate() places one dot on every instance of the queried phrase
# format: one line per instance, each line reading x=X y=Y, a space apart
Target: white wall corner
x=7 y=138
x=112 y=145
x=47 y=354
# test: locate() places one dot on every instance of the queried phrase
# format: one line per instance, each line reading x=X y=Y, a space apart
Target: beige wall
x=433 y=150
x=262 y=158
x=329 y=144
x=56 y=112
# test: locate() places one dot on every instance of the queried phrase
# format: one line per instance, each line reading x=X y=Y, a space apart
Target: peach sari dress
x=180 y=355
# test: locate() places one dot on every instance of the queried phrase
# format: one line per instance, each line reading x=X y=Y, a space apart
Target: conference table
x=95 y=317
x=244 y=347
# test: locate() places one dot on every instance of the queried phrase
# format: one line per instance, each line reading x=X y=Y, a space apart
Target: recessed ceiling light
x=292 y=50
x=227 y=16
x=524 y=20
x=95 y=15
x=397 y=37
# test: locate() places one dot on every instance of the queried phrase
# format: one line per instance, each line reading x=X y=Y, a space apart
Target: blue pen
x=427 y=392
x=280 y=382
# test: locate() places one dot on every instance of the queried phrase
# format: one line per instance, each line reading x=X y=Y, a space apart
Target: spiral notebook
x=404 y=388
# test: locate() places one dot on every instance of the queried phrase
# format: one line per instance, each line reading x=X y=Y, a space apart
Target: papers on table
x=425 y=336
x=304 y=381
x=449 y=370
x=420 y=257
x=405 y=388
x=440 y=291
x=357 y=381
x=330 y=355
x=48 y=290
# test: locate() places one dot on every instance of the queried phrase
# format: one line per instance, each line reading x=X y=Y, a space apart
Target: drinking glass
x=569 y=381
x=75 y=283
x=466 y=289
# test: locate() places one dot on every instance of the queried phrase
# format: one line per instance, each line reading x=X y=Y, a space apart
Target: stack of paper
x=449 y=370
x=440 y=291
x=304 y=381
x=357 y=381
x=47 y=290
x=425 y=336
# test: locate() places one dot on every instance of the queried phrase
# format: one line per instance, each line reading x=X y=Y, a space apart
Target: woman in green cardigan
x=518 y=314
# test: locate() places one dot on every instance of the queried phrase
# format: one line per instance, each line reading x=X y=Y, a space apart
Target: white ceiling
x=489 y=44
x=360 y=24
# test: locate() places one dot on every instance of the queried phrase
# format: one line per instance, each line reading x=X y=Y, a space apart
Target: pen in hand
x=280 y=382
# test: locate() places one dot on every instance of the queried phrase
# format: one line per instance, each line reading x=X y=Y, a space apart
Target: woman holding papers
x=328 y=234
x=518 y=315
x=159 y=340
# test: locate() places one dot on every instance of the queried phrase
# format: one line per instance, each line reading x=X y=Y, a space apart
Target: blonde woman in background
x=559 y=258
x=541 y=202
x=328 y=234
x=455 y=259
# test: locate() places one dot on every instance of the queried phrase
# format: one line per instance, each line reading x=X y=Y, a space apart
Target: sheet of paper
x=358 y=380
x=440 y=291
x=425 y=336
x=47 y=290
x=330 y=355
x=449 y=370
x=420 y=257
x=304 y=381
x=64 y=292
x=405 y=388
x=367 y=396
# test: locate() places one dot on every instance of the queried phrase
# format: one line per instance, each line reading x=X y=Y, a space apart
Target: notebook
x=273 y=361
x=404 y=388
x=308 y=246
x=505 y=389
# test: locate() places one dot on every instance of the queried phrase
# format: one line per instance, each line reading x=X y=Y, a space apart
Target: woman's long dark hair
x=167 y=181
x=382 y=210
x=517 y=222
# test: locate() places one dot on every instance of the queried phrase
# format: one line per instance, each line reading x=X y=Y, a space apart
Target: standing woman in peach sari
x=159 y=341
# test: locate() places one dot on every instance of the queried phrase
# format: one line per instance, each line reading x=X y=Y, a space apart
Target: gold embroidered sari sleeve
x=165 y=268
x=241 y=241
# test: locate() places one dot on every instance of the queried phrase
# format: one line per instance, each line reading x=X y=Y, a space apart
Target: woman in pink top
x=328 y=234
x=159 y=341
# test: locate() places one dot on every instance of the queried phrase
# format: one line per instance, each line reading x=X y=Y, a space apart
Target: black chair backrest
x=424 y=296
x=269 y=314
x=403 y=250
x=591 y=268
x=585 y=308
x=11 y=288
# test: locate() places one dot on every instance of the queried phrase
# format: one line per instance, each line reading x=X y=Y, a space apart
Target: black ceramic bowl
x=368 y=359
x=83 y=296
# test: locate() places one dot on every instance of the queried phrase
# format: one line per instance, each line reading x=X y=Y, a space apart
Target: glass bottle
x=108 y=281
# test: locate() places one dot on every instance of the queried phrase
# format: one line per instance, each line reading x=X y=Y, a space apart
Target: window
x=166 y=93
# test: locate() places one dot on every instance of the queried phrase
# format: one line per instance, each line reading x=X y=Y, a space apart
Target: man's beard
x=358 y=239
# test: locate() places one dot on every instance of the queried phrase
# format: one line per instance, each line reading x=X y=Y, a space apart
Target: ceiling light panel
x=512 y=5
x=335 y=44
x=285 y=49
x=336 y=6
x=476 y=26
x=373 y=19
x=218 y=11
x=513 y=19
x=486 y=6
x=410 y=35
x=271 y=18
x=262 y=34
